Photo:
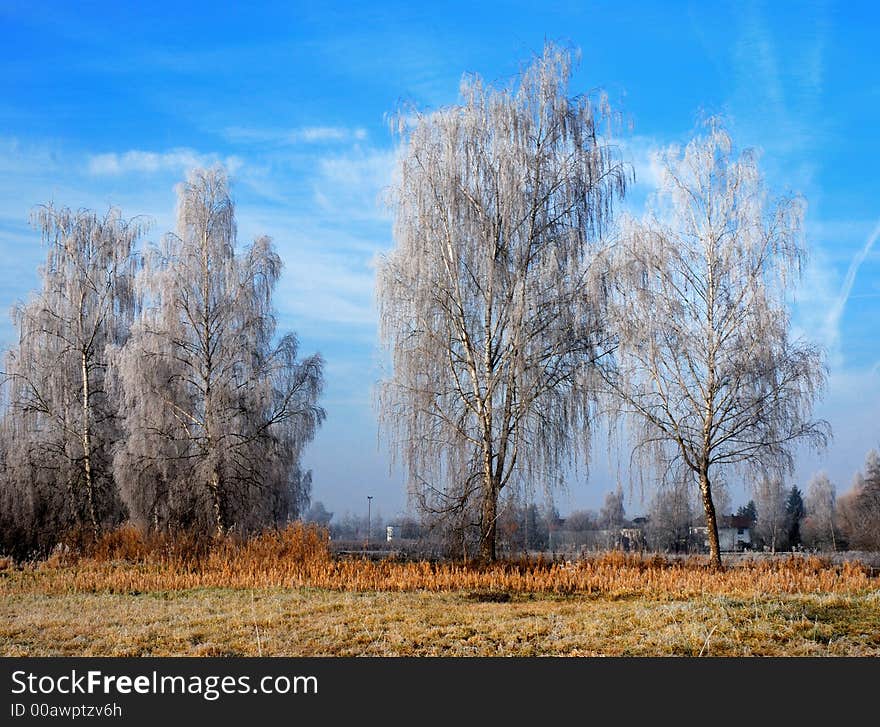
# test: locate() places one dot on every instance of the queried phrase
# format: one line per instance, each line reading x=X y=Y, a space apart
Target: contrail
x=837 y=309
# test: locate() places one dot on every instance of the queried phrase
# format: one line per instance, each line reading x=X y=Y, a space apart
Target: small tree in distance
x=770 y=499
x=613 y=513
x=318 y=514
x=749 y=511
x=859 y=509
x=794 y=513
x=819 y=527
x=671 y=517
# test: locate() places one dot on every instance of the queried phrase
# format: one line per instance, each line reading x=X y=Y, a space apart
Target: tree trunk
x=711 y=521
x=87 y=445
x=216 y=502
x=489 y=520
x=207 y=376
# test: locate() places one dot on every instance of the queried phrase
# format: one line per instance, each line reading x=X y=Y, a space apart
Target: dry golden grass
x=285 y=594
x=298 y=557
x=312 y=622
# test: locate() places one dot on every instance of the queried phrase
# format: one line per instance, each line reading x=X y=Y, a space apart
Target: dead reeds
x=126 y=561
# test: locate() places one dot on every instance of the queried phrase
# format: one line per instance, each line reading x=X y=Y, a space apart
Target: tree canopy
x=490 y=302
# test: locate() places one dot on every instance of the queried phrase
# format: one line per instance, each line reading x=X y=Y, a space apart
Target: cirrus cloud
x=138 y=161
x=302 y=135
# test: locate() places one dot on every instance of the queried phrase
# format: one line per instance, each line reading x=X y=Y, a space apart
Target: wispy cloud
x=291 y=137
x=643 y=153
x=355 y=184
x=324 y=209
x=328 y=300
x=148 y=162
x=757 y=58
x=836 y=312
x=780 y=80
x=19 y=157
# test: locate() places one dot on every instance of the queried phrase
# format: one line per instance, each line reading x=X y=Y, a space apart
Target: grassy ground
x=285 y=594
x=309 y=622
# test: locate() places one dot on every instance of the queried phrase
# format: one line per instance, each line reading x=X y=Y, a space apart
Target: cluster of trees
x=514 y=317
x=858 y=511
x=782 y=517
x=518 y=307
x=779 y=517
x=787 y=518
x=851 y=521
x=152 y=385
x=529 y=527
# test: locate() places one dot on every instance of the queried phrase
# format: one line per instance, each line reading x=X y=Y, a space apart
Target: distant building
x=734 y=534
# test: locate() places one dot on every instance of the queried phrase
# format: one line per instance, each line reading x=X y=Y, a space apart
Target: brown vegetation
x=128 y=562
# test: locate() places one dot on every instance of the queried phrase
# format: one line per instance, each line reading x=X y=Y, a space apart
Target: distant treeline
x=778 y=518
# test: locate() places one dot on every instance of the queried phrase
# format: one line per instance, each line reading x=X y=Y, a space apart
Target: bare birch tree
x=613 y=513
x=772 y=525
x=706 y=372
x=671 y=516
x=820 y=527
x=61 y=421
x=489 y=303
x=217 y=412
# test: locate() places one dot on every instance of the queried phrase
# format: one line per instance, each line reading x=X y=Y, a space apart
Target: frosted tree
x=770 y=500
x=671 y=517
x=859 y=509
x=61 y=421
x=217 y=410
x=819 y=528
x=613 y=514
x=489 y=304
x=707 y=374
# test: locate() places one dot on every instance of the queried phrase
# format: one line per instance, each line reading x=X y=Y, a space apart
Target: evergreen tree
x=795 y=511
x=750 y=511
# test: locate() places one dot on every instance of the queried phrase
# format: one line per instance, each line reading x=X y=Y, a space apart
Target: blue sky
x=103 y=104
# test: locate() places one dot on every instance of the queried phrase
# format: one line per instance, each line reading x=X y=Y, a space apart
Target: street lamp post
x=369 y=508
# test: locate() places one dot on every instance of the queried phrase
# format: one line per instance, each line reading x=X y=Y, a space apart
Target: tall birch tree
x=217 y=410
x=489 y=302
x=61 y=422
x=706 y=371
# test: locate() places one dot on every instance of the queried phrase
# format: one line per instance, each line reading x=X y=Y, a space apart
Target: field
x=285 y=594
